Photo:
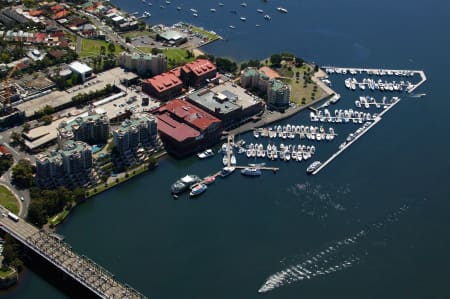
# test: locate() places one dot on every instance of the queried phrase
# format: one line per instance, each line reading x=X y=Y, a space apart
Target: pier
x=365 y=130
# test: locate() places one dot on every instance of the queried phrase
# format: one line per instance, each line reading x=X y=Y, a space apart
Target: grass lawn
x=91 y=47
x=137 y=33
x=209 y=35
x=298 y=92
x=6 y=273
x=175 y=54
x=8 y=200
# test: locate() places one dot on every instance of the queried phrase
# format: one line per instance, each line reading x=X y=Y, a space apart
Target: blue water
x=230 y=240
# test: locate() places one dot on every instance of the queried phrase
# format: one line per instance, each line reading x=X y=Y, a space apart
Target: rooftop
x=177 y=130
x=191 y=114
x=172 y=35
x=80 y=67
x=224 y=98
x=269 y=72
x=164 y=81
x=199 y=67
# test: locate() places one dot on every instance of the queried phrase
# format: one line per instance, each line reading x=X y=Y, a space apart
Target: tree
x=111 y=48
x=156 y=51
x=275 y=60
x=12 y=252
x=15 y=137
x=299 y=61
x=46 y=119
x=22 y=174
x=102 y=50
x=127 y=39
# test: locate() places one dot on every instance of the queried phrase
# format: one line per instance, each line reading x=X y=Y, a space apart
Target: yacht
x=195 y=15
x=221 y=4
x=212 y=10
x=206 y=154
x=243 y=19
x=184 y=183
x=281 y=9
x=193 y=10
x=167 y=2
x=178 y=7
x=243 y=4
x=226 y=171
x=267 y=17
x=198 y=189
x=232 y=27
x=251 y=171
x=260 y=10
x=313 y=167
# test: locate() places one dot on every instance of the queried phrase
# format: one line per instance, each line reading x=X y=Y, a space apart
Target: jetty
x=347 y=145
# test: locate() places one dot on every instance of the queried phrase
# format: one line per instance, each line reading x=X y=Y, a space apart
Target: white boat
x=282 y=9
x=260 y=10
x=267 y=17
x=313 y=167
x=256 y=133
x=243 y=4
x=232 y=27
x=198 y=189
x=243 y=19
x=193 y=10
x=212 y=10
x=206 y=154
x=195 y=15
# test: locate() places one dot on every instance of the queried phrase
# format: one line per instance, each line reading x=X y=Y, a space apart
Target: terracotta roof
x=199 y=67
x=4 y=151
x=164 y=81
x=269 y=72
x=178 y=131
x=61 y=14
x=57 y=7
x=36 y=13
x=191 y=114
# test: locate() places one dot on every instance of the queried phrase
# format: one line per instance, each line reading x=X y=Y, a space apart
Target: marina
x=294 y=131
x=354 y=138
x=379 y=72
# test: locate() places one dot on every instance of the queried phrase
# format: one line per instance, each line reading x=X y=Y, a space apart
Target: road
x=5 y=179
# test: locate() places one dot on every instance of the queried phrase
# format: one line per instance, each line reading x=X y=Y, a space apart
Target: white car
x=22 y=199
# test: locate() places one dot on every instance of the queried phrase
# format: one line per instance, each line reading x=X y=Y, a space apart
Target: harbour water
x=243 y=234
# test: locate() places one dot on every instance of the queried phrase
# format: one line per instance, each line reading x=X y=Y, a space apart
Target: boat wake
x=337 y=256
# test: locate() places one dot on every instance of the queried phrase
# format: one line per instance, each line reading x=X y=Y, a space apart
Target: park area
x=8 y=200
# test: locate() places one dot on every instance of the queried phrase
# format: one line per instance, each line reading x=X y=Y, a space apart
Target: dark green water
x=230 y=240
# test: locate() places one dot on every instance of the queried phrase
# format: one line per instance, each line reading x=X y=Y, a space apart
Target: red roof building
x=4 y=152
x=197 y=72
x=61 y=14
x=57 y=7
x=163 y=87
x=185 y=129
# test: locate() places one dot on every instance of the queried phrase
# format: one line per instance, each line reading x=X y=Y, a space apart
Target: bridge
x=83 y=270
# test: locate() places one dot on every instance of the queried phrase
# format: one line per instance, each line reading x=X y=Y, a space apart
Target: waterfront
x=230 y=240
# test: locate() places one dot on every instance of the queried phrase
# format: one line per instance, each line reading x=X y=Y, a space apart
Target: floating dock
x=336 y=154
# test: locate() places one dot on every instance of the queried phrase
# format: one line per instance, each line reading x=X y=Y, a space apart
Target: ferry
x=198 y=189
x=184 y=183
x=281 y=9
x=267 y=17
x=226 y=171
x=206 y=154
x=313 y=167
x=251 y=171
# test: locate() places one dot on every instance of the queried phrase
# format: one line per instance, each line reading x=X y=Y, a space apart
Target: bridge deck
x=82 y=269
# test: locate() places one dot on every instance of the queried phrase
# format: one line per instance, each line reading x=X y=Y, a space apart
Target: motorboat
x=198 y=189
x=313 y=166
x=206 y=154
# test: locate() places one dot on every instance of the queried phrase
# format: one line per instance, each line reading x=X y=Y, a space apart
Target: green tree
x=156 y=51
x=46 y=119
x=16 y=138
x=111 y=48
x=102 y=50
x=275 y=60
x=127 y=39
x=22 y=174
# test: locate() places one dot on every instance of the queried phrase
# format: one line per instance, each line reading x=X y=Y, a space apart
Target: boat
x=243 y=4
x=260 y=10
x=313 y=167
x=184 y=183
x=267 y=17
x=251 y=171
x=221 y=4
x=198 y=189
x=206 y=154
x=178 y=7
x=243 y=19
x=212 y=10
x=195 y=15
x=193 y=10
x=168 y=2
x=232 y=27
x=226 y=171
x=232 y=160
x=209 y=180
x=282 y=9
